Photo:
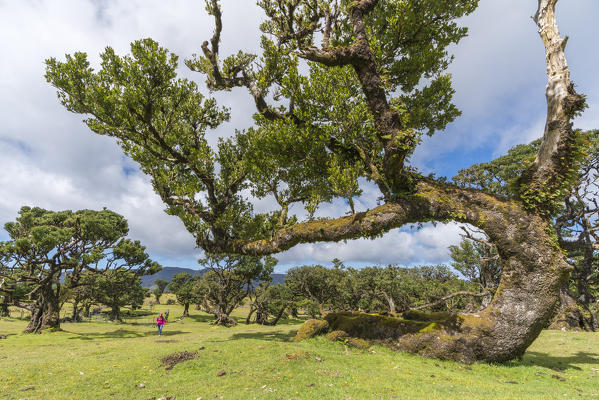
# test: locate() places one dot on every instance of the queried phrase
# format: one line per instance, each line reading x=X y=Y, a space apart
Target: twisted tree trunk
x=222 y=318
x=4 y=311
x=115 y=313
x=279 y=315
x=533 y=268
x=46 y=311
x=569 y=315
x=76 y=315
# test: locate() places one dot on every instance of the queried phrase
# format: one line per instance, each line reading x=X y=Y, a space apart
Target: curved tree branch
x=430 y=201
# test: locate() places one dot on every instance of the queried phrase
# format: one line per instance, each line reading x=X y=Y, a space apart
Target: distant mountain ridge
x=167 y=274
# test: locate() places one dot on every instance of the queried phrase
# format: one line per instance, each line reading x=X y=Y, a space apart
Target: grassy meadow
x=102 y=360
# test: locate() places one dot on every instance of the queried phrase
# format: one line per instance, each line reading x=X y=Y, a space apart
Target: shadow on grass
x=276 y=336
x=122 y=334
x=5 y=336
x=291 y=321
x=556 y=362
x=200 y=318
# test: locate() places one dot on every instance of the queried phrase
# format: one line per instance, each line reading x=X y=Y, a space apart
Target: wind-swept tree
x=81 y=294
x=118 y=288
x=182 y=285
x=5 y=294
x=12 y=294
x=270 y=303
x=372 y=83
x=477 y=260
x=228 y=281
x=577 y=227
x=46 y=244
x=316 y=283
x=158 y=291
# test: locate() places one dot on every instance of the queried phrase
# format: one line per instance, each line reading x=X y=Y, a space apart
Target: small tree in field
x=183 y=286
x=270 y=303
x=316 y=283
x=229 y=280
x=476 y=258
x=6 y=297
x=344 y=92
x=118 y=288
x=161 y=285
x=12 y=294
x=46 y=244
x=80 y=293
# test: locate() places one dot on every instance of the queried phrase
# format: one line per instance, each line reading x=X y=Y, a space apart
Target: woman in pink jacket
x=160 y=321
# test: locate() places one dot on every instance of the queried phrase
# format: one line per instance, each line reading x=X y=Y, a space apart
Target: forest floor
x=102 y=360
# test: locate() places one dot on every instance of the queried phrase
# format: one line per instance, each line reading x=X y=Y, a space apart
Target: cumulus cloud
x=132 y=197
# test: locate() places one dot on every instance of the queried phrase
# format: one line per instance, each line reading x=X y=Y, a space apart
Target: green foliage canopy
x=329 y=125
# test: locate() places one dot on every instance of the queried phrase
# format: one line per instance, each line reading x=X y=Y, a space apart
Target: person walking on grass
x=160 y=321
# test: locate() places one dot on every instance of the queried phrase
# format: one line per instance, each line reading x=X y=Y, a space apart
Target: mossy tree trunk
x=115 y=313
x=46 y=311
x=4 y=311
x=569 y=314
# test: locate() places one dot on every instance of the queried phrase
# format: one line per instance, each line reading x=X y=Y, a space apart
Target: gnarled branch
x=558 y=151
x=450 y=296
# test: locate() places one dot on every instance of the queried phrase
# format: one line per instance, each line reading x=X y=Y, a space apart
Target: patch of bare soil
x=173 y=359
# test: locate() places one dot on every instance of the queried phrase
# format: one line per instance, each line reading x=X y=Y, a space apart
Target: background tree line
x=314 y=290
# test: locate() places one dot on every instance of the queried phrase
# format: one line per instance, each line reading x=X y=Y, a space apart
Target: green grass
x=100 y=360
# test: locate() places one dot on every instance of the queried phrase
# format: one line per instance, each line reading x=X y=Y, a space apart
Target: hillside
x=167 y=274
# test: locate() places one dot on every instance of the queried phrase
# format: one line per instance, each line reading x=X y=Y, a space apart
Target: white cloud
x=164 y=235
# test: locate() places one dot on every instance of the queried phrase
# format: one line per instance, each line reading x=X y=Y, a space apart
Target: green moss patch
x=310 y=328
x=440 y=317
x=342 y=336
x=376 y=326
x=334 y=336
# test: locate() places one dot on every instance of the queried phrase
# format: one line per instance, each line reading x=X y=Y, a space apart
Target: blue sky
x=52 y=160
